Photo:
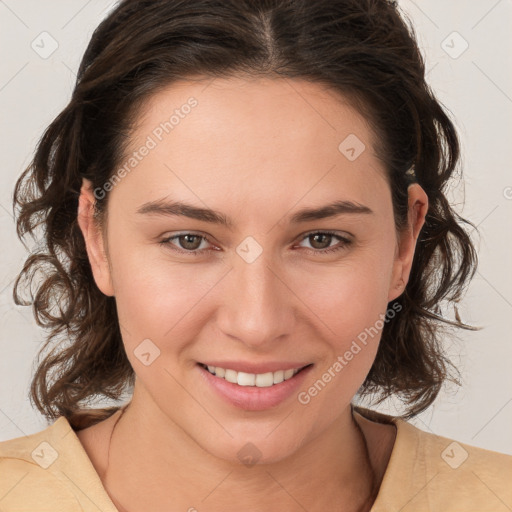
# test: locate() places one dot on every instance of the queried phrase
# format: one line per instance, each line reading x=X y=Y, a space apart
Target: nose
x=258 y=307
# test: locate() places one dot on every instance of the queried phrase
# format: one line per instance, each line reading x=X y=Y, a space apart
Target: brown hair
x=364 y=49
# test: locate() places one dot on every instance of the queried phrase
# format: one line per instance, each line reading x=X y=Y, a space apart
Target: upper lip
x=251 y=367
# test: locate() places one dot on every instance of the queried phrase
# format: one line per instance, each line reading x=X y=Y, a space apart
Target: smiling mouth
x=260 y=380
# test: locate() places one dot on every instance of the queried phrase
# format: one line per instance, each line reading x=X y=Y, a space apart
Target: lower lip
x=252 y=398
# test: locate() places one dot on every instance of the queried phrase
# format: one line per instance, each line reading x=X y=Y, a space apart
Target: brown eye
x=320 y=240
x=188 y=242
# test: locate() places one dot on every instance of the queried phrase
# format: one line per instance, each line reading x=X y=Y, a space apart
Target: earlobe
x=93 y=238
x=417 y=211
x=398 y=283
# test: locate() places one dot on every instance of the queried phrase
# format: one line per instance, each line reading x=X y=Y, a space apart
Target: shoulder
x=446 y=455
x=49 y=470
x=25 y=475
x=427 y=471
x=34 y=449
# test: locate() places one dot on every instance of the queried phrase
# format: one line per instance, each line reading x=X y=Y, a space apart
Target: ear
x=404 y=254
x=94 y=242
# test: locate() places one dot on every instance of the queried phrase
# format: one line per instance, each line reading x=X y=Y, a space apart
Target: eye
x=321 y=242
x=188 y=243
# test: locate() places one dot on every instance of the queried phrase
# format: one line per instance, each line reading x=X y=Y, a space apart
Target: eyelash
x=346 y=242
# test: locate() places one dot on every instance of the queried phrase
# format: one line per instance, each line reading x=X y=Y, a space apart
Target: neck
x=178 y=474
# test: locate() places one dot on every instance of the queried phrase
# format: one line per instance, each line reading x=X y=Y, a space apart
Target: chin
x=254 y=450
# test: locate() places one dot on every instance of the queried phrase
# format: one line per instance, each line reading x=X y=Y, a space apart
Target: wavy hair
x=366 y=50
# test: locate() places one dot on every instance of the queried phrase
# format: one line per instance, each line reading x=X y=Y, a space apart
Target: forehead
x=279 y=139
x=259 y=107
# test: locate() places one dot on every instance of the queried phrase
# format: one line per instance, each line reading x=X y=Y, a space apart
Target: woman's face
x=254 y=286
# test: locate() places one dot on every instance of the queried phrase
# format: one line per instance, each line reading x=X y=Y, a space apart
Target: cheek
x=350 y=303
x=351 y=295
x=154 y=295
x=348 y=329
x=352 y=313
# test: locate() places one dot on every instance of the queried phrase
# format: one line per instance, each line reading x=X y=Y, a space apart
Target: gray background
x=474 y=84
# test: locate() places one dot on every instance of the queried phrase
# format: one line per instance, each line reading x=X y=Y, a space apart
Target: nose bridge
x=256 y=308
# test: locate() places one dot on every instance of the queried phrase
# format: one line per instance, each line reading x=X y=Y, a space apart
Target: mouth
x=261 y=391
x=258 y=380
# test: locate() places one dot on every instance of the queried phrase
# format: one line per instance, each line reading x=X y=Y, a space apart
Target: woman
x=245 y=228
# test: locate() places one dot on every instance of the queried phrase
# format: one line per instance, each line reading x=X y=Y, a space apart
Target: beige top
x=51 y=471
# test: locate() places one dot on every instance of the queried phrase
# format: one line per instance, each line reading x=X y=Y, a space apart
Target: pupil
x=320 y=235
x=187 y=243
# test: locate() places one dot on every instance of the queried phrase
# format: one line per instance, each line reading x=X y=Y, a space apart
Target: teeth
x=260 y=380
x=278 y=376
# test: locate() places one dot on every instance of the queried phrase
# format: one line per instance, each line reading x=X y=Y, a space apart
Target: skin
x=256 y=150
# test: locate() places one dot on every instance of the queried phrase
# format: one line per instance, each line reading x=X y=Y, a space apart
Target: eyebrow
x=178 y=208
